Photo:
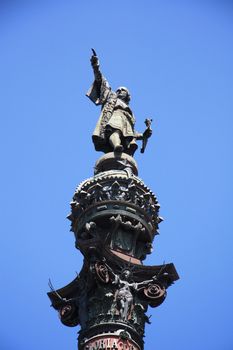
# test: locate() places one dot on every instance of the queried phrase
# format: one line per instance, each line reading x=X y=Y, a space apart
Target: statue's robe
x=115 y=115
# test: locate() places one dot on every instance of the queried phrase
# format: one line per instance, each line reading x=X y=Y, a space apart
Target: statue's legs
x=115 y=141
x=126 y=309
x=132 y=147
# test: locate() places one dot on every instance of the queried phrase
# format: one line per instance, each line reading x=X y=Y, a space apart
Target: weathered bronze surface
x=114 y=130
x=115 y=218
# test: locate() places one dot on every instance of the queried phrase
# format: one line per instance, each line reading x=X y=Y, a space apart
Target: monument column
x=115 y=218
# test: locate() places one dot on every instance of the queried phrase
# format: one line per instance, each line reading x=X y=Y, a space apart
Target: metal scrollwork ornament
x=68 y=315
x=156 y=294
x=102 y=272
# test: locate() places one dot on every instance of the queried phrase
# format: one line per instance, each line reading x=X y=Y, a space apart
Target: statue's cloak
x=115 y=114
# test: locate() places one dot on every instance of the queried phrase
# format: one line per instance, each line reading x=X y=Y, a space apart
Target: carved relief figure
x=125 y=291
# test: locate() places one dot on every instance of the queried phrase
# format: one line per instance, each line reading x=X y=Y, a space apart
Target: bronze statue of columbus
x=114 y=130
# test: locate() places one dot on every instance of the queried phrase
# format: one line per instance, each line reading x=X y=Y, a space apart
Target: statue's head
x=126 y=275
x=123 y=94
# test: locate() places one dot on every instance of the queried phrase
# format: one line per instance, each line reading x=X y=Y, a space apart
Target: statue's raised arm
x=96 y=66
x=114 y=130
x=100 y=88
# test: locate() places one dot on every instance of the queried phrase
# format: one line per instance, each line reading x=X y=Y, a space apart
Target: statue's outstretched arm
x=110 y=270
x=144 y=283
x=138 y=136
x=96 y=66
x=98 y=93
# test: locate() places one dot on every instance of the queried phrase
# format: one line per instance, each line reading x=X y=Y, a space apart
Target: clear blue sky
x=176 y=57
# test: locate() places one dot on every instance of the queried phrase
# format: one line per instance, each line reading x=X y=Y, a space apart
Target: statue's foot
x=132 y=148
x=118 y=149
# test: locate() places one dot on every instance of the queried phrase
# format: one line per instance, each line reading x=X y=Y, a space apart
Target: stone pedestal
x=114 y=217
